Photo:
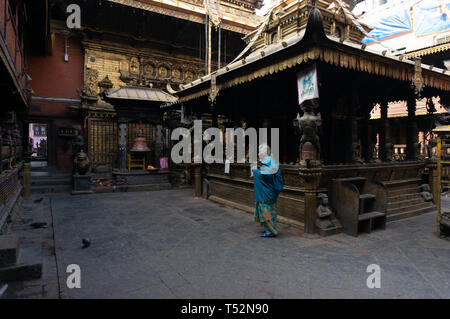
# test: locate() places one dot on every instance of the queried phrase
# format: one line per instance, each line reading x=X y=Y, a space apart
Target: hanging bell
x=140 y=145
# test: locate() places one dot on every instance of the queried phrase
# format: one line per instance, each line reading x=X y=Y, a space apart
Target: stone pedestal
x=310 y=179
x=81 y=184
x=141 y=180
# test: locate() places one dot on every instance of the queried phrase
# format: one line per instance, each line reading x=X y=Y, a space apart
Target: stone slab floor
x=167 y=244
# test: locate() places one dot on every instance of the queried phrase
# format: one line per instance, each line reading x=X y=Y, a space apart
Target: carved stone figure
x=419 y=154
x=425 y=192
x=308 y=127
x=431 y=144
x=356 y=155
x=105 y=84
x=81 y=163
x=323 y=212
x=134 y=65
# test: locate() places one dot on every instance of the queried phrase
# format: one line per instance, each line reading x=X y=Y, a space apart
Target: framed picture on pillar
x=307 y=84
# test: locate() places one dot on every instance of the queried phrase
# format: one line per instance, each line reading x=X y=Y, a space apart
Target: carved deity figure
x=323 y=212
x=425 y=192
x=308 y=127
x=356 y=155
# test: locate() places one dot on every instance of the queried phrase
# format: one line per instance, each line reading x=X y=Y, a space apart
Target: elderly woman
x=267 y=185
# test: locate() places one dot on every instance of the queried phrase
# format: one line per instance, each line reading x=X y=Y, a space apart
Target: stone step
x=9 y=250
x=404 y=183
x=404 y=203
x=369 y=215
x=50 y=181
x=409 y=208
x=403 y=197
x=366 y=196
x=48 y=175
x=28 y=266
x=411 y=213
x=402 y=191
x=135 y=188
x=47 y=189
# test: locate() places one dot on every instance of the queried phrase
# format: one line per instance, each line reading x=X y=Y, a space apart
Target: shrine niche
x=163 y=71
x=124 y=65
x=149 y=70
x=134 y=66
x=189 y=76
x=177 y=74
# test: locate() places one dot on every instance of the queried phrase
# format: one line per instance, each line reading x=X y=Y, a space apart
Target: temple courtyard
x=166 y=244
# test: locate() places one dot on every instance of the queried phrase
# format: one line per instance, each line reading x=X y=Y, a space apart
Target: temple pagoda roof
x=312 y=44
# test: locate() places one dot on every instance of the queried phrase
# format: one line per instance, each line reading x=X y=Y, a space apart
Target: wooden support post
x=122 y=140
x=310 y=181
x=198 y=180
x=26 y=180
x=411 y=132
x=383 y=132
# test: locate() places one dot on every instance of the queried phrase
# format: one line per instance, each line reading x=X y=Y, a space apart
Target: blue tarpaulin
x=431 y=16
x=391 y=25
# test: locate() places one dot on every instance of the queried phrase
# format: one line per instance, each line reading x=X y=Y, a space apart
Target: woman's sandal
x=267 y=234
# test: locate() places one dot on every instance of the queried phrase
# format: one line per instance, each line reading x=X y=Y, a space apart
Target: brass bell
x=140 y=144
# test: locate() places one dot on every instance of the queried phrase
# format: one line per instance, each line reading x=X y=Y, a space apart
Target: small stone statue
x=432 y=143
x=425 y=192
x=81 y=163
x=323 y=212
x=308 y=127
x=356 y=155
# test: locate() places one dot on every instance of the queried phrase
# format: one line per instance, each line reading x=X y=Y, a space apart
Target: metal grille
x=8 y=185
x=103 y=142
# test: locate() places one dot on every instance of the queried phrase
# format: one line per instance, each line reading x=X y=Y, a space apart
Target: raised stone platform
x=126 y=181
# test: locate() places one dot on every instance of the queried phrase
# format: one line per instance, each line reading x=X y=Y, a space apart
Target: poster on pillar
x=308 y=87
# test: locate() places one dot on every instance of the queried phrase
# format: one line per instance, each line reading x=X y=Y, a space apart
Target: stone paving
x=167 y=244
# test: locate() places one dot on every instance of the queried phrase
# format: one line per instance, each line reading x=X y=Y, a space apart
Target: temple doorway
x=38 y=144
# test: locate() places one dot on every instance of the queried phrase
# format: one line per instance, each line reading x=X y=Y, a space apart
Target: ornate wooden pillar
x=197 y=180
x=122 y=141
x=383 y=132
x=356 y=142
x=411 y=133
x=366 y=137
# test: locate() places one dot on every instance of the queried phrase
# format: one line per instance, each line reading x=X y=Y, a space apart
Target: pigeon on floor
x=39 y=200
x=38 y=225
x=86 y=242
x=3 y=289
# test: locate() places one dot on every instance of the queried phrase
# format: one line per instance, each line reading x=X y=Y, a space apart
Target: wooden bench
x=360 y=205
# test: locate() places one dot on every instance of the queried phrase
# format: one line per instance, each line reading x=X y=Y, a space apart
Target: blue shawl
x=267 y=181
